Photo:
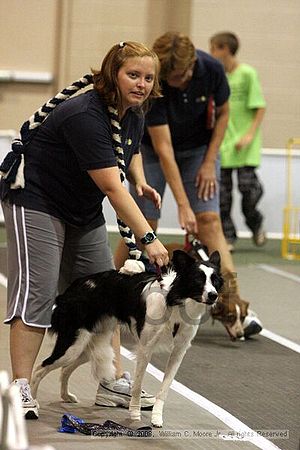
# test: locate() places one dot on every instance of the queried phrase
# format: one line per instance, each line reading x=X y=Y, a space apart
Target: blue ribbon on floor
x=72 y=424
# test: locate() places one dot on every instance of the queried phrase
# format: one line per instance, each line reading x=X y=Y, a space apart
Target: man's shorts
x=44 y=257
x=188 y=163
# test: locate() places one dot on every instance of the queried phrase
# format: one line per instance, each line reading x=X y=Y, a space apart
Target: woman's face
x=135 y=81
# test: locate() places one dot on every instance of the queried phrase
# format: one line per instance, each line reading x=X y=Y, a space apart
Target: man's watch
x=148 y=238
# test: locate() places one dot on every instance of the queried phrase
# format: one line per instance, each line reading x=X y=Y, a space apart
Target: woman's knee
x=209 y=223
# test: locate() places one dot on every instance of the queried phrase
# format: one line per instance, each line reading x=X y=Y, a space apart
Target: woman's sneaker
x=30 y=406
x=118 y=393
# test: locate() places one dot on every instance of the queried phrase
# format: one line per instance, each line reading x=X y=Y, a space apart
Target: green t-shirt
x=246 y=96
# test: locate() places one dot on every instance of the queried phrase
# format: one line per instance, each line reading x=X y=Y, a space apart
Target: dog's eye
x=217 y=281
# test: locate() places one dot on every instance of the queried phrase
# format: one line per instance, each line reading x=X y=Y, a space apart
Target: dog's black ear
x=181 y=260
x=215 y=259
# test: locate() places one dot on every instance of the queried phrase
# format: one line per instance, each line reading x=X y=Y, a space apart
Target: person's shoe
x=30 y=406
x=251 y=325
x=118 y=393
x=259 y=237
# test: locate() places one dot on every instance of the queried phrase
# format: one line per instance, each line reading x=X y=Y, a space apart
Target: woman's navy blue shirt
x=76 y=137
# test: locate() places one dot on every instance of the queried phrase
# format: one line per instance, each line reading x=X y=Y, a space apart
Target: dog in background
x=160 y=313
x=230 y=310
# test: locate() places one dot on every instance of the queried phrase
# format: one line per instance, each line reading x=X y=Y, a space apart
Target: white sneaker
x=251 y=325
x=30 y=406
x=118 y=393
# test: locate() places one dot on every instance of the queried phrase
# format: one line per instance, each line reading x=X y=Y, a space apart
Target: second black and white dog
x=159 y=313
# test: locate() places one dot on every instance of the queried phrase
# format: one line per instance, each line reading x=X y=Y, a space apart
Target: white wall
x=272 y=172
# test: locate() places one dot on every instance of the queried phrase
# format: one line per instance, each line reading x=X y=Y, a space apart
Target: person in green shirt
x=241 y=146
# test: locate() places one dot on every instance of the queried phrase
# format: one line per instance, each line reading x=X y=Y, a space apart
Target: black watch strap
x=149 y=237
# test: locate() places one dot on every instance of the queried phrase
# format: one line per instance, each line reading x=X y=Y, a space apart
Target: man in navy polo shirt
x=185 y=128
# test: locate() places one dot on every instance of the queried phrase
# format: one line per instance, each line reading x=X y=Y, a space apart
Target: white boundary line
x=223 y=415
x=280 y=340
x=269 y=334
x=282 y=273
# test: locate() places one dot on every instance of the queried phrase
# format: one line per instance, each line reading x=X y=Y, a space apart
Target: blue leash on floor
x=72 y=424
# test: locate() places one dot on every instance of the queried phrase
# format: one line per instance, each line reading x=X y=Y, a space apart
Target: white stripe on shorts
x=20 y=232
x=26 y=264
x=19 y=263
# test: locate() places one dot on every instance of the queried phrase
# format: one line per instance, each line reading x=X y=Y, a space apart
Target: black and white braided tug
x=124 y=230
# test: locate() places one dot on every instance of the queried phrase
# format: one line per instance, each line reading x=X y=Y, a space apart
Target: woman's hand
x=144 y=190
x=206 y=181
x=187 y=219
x=157 y=253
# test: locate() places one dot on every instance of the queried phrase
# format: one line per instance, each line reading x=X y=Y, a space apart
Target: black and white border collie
x=159 y=313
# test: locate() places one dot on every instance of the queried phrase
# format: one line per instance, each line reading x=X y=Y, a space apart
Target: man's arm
x=206 y=177
x=135 y=174
x=248 y=137
x=162 y=144
x=222 y=116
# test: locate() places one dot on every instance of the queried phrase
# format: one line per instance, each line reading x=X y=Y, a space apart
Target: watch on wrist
x=148 y=238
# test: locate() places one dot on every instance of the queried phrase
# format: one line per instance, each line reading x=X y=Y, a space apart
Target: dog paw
x=157 y=421
x=157 y=413
x=69 y=398
x=135 y=414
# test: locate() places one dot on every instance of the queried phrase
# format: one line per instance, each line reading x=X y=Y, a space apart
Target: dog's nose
x=212 y=297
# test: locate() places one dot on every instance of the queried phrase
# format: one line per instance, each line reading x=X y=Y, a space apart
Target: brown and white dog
x=230 y=309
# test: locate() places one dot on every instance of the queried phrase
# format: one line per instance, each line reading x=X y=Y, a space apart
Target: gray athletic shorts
x=188 y=163
x=44 y=257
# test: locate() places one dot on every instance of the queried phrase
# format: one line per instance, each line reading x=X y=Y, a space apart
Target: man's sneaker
x=259 y=237
x=252 y=325
x=30 y=406
x=118 y=393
